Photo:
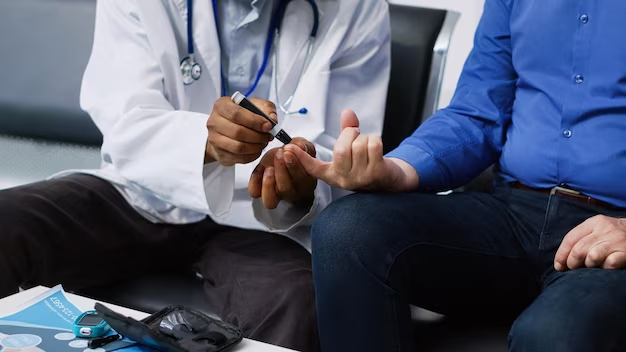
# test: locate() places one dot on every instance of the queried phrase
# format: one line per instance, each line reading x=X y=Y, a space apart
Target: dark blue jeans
x=466 y=254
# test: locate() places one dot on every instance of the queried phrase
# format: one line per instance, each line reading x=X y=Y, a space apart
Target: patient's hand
x=358 y=163
x=280 y=176
x=599 y=242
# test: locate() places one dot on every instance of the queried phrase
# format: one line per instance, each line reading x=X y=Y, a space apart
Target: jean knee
x=531 y=332
x=581 y=310
x=349 y=232
x=524 y=333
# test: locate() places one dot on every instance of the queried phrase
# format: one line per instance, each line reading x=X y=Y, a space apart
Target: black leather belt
x=567 y=193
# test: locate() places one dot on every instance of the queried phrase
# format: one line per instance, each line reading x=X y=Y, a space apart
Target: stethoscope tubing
x=191 y=70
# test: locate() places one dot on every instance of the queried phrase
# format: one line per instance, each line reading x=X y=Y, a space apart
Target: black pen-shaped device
x=278 y=133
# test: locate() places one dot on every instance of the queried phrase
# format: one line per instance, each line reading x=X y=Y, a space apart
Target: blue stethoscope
x=192 y=71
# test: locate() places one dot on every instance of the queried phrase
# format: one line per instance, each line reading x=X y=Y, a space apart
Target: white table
x=11 y=304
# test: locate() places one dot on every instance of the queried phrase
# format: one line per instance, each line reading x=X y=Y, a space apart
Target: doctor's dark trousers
x=80 y=232
x=476 y=256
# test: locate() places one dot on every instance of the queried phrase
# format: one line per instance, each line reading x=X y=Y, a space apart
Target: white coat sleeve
x=359 y=78
x=152 y=145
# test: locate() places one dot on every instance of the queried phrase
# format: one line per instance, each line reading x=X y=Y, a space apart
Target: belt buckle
x=565 y=190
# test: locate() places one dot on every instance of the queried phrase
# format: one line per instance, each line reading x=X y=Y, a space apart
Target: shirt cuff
x=427 y=167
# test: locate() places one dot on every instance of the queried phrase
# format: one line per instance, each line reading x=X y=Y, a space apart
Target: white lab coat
x=154 y=126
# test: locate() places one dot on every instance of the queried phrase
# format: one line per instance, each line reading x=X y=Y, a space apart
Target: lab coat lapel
x=292 y=51
x=205 y=39
x=292 y=46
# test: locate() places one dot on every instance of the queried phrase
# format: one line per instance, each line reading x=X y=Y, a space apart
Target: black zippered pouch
x=175 y=329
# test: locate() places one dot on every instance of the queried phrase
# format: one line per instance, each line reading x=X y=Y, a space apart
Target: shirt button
x=579 y=79
x=567 y=133
x=584 y=19
x=241 y=70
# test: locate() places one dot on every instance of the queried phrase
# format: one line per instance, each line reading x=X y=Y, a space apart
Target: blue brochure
x=46 y=326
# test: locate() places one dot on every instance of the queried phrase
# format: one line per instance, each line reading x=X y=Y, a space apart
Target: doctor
x=175 y=186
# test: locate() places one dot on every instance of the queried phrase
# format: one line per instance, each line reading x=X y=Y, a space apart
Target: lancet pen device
x=242 y=101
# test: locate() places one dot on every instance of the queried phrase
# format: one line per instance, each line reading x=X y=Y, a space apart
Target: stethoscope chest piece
x=191 y=70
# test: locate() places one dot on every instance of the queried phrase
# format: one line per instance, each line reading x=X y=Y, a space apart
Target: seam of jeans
x=546 y=218
x=395 y=257
x=394 y=319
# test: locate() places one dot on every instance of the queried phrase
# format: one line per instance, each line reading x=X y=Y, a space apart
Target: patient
x=543 y=97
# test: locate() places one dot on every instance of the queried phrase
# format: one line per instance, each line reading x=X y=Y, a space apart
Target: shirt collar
x=256 y=8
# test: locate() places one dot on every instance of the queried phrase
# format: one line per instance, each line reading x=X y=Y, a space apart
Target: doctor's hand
x=236 y=135
x=280 y=176
x=599 y=242
x=358 y=162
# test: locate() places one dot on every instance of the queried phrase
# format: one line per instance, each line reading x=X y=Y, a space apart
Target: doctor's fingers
x=267 y=107
x=256 y=182
x=269 y=196
x=303 y=184
x=228 y=159
x=227 y=109
x=237 y=132
x=233 y=146
x=285 y=184
x=294 y=168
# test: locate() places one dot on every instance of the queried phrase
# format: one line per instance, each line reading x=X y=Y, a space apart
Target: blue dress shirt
x=542 y=95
